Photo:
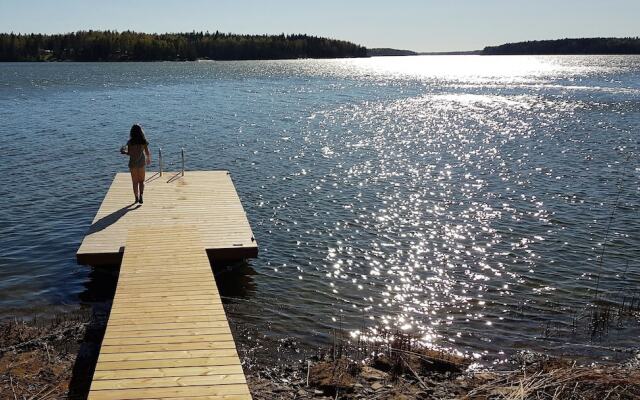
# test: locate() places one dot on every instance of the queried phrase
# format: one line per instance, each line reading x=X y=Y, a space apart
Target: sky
x=405 y=24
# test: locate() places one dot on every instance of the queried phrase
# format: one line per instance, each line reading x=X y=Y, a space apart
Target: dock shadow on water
x=234 y=279
x=97 y=298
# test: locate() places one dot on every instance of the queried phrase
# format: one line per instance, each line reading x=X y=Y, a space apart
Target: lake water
x=465 y=199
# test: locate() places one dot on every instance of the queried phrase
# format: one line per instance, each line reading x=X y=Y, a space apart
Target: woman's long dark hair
x=136 y=135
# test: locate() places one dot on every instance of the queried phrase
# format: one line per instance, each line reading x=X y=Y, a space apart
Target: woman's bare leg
x=134 y=180
x=141 y=182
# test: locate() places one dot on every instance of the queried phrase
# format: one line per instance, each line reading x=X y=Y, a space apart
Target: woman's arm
x=146 y=151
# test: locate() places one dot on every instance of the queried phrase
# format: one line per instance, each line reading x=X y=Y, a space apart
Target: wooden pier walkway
x=167 y=336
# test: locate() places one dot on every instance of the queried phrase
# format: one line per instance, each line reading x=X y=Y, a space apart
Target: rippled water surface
x=464 y=199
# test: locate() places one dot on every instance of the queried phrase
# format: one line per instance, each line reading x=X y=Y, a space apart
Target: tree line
x=628 y=45
x=134 y=46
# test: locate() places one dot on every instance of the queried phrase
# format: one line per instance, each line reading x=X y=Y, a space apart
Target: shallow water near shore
x=464 y=199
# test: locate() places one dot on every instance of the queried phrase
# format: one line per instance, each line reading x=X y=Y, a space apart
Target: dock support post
x=160 y=159
x=182 y=151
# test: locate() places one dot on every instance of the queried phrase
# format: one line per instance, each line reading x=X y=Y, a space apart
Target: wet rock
x=372 y=374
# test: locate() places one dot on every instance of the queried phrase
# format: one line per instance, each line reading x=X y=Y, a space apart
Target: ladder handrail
x=161 y=161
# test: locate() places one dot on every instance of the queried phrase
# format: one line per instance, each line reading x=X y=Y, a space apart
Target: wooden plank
x=185 y=362
x=142 y=326
x=169 y=291
x=135 y=307
x=179 y=307
x=174 y=332
x=219 y=344
x=188 y=391
x=167 y=382
x=215 y=312
x=167 y=355
x=222 y=397
x=164 y=372
x=137 y=280
x=123 y=320
x=215 y=309
x=112 y=341
x=212 y=295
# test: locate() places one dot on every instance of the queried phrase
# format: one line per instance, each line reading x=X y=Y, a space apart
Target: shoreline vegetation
x=55 y=357
x=134 y=46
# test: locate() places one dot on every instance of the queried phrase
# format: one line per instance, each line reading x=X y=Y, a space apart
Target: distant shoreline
x=582 y=46
x=112 y=46
x=558 y=47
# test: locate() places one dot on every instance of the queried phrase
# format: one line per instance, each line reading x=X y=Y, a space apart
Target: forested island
x=630 y=45
x=135 y=46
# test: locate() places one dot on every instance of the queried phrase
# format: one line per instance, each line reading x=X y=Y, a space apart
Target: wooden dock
x=206 y=199
x=167 y=334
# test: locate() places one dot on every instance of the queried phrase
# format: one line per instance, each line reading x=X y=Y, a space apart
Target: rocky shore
x=53 y=359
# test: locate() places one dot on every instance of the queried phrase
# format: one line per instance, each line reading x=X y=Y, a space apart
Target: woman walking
x=138 y=151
